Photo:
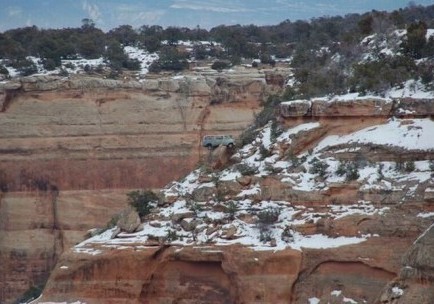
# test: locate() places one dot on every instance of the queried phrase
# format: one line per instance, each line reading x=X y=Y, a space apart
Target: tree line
x=316 y=71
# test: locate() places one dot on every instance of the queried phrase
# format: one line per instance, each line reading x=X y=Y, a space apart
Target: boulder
x=295 y=108
x=228 y=188
x=414 y=283
x=129 y=220
x=189 y=224
x=177 y=217
x=229 y=233
x=244 y=180
x=203 y=194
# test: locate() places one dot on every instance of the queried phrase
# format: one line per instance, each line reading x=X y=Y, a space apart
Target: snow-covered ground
x=77 y=66
x=415 y=134
x=145 y=58
x=212 y=226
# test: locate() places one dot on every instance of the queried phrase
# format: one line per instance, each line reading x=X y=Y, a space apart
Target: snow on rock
x=408 y=134
x=397 y=292
x=426 y=214
x=145 y=58
x=286 y=136
x=250 y=234
x=80 y=64
x=313 y=300
x=411 y=89
x=429 y=33
x=297 y=101
x=350 y=97
x=349 y=300
x=336 y=293
x=239 y=219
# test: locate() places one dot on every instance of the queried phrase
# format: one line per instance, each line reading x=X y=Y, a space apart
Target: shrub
x=264 y=152
x=409 y=166
x=341 y=170
x=349 y=169
x=318 y=167
x=265 y=236
x=49 y=64
x=245 y=169
x=196 y=208
x=4 y=70
x=63 y=73
x=276 y=130
x=69 y=65
x=25 y=67
x=141 y=201
x=220 y=65
x=431 y=165
x=352 y=172
x=380 y=172
x=231 y=209
x=399 y=166
x=268 y=216
x=171 y=236
x=248 y=136
x=132 y=64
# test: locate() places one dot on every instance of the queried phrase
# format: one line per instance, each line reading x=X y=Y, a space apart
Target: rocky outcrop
x=77 y=136
x=273 y=222
x=36 y=227
x=357 y=107
x=415 y=281
x=228 y=274
x=115 y=132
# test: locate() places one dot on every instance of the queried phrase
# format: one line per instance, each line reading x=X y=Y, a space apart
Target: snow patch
x=313 y=300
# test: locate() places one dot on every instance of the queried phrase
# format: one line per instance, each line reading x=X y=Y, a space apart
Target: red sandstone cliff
x=65 y=140
x=70 y=146
x=322 y=211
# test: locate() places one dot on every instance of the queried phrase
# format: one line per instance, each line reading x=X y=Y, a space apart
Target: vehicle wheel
x=230 y=145
x=209 y=146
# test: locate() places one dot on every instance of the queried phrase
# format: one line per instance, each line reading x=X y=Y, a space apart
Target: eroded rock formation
x=64 y=141
x=321 y=211
x=229 y=274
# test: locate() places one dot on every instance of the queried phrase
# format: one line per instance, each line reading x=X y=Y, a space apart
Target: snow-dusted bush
x=352 y=172
x=348 y=169
x=268 y=216
x=231 y=210
x=245 y=169
x=318 y=167
x=142 y=201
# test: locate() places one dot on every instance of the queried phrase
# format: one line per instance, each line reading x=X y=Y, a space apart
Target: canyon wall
x=335 y=239
x=71 y=147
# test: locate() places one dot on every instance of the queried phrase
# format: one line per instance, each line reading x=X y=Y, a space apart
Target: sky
x=108 y=14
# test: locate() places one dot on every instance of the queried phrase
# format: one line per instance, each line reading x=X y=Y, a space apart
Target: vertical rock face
x=63 y=141
x=99 y=134
x=414 y=283
x=35 y=228
x=229 y=274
